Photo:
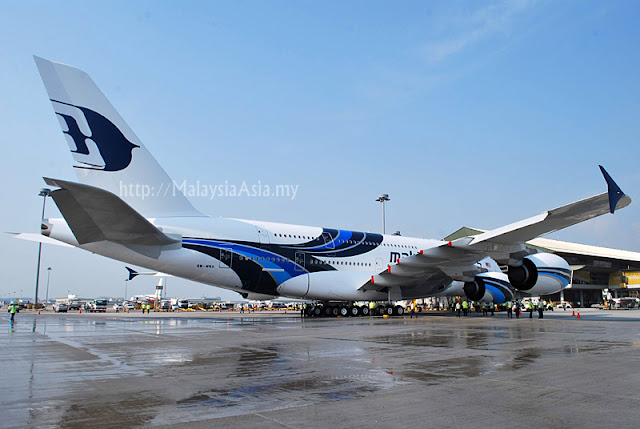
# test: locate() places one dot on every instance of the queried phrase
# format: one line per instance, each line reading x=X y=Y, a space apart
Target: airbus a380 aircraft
x=125 y=207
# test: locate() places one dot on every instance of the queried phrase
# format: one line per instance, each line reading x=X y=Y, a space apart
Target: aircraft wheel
x=398 y=310
x=364 y=311
x=343 y=311
x=334 y=311
x=328 y=311
x=381 y=310
x=388 y=311
x=317 y=312
x=354 y=311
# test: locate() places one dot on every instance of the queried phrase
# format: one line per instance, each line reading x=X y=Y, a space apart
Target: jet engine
x=475 y=290
x=486 y=287
x=540 y=274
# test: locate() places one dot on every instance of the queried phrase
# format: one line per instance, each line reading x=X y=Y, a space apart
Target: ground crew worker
x=13 y=310
x=302 y=308
x=457 y=306
x=517 y=309
x=465 y=307
x=492 y=308
x=540 y=309
x=509 y=310
x=372 y=307
x=530 y=308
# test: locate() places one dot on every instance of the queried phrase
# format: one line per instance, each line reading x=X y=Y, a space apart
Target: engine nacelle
x=540 y=274
x=486 y=287
x=497 y=287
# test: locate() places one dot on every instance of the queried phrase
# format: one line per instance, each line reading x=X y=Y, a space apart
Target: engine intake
x=525 y=276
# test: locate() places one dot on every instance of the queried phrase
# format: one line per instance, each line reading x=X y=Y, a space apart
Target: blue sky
x=466 y=113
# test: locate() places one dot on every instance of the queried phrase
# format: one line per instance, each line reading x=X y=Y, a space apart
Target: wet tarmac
x=276 y=370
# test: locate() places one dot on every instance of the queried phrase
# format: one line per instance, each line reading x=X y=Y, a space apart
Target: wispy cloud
x=465 y=28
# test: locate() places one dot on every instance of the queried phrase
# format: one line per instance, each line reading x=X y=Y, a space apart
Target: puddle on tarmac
x=284 y=394
x=135 y=411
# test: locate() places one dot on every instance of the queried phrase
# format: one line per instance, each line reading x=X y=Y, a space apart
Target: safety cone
x=38 y=312
x=573 y=313
x=79 y=311
x=578 y=315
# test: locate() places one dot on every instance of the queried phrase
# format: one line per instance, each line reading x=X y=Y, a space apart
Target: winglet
x=615 y=193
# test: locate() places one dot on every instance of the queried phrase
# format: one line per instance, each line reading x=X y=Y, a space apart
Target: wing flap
x=94 y=214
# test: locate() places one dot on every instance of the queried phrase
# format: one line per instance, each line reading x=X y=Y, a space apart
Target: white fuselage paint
x=341 y=277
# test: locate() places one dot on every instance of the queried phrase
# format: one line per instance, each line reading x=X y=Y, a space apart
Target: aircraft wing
x=559 y=218
x=94 y=214
x=458 y=259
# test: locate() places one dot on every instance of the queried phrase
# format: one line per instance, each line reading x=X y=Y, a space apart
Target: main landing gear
x=347 y=310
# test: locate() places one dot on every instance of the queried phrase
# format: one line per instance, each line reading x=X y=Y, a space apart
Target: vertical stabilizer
x=106 y=152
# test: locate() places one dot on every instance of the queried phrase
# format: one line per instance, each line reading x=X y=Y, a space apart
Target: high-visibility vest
x=13 y=309
x=465 y=305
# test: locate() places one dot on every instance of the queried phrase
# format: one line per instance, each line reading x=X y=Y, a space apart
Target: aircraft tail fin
x=107 y=154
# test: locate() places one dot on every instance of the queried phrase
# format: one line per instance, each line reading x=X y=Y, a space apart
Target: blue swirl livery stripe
x=498 y=296
x=342 y=235
x=290 y=268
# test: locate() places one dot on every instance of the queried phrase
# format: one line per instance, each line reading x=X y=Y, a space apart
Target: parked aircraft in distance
x=125 y=207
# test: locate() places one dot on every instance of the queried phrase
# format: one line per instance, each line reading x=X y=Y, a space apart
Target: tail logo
x=116 y=151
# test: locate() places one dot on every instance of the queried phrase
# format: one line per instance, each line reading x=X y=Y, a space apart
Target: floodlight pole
x=48 y=278
x=381 y=199
x=44 y=193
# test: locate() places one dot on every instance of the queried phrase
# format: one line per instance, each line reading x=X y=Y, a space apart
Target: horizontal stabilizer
x=38 y=238
x=94 y=214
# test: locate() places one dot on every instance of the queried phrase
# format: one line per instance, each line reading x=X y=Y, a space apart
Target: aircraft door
x=330 y=243
x=226 y=258
x=300 y=261
x=263 y=235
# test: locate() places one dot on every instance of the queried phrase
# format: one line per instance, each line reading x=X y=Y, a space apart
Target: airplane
x=125 y=207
